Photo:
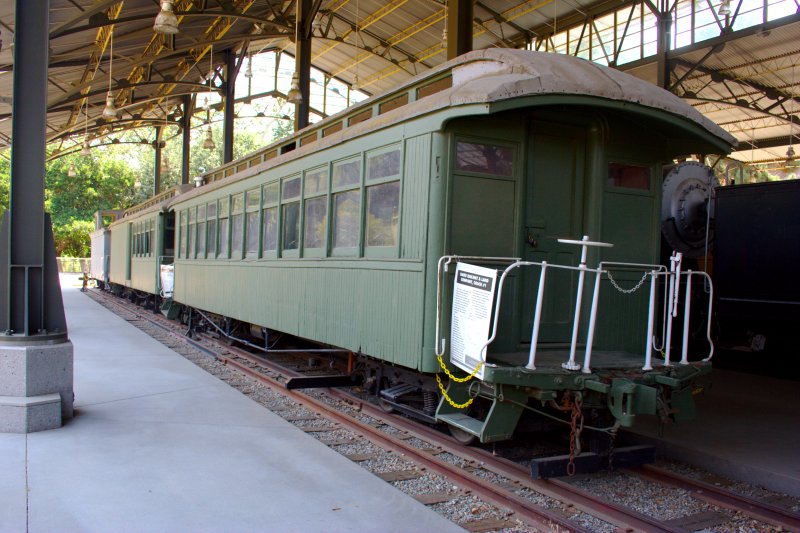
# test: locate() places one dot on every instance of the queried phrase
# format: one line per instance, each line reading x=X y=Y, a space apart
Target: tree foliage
x=122 y=174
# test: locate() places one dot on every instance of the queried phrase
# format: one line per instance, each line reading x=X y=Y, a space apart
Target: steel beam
x=459 y=27
x=303 y=63
x=32 y=310
x=187 y=137
x=157 y=162
x=228 y=100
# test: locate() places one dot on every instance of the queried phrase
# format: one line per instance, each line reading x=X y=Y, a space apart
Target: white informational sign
x=473 y=296
x=167 y=280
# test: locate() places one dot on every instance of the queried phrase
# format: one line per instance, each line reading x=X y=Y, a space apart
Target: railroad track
x=474 y=462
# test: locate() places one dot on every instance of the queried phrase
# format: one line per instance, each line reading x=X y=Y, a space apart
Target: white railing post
x=587 y=358
x=648 y=358
x=571 y=364
x=686 y=311
x=537 y=318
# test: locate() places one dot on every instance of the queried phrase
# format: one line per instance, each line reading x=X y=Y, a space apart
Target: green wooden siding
x=351 y=304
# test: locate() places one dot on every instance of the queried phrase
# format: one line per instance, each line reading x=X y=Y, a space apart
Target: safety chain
x=574 y=433
x=626 y=291
x=612 y=437
x=457 y=380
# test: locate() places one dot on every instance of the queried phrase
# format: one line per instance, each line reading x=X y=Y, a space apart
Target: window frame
x=292 y=253
x=319 y=251
x=347 y=251
x=248 y=209
x=376 y=251
x=268 y=203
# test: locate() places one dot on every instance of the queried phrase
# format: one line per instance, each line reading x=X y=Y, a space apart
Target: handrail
x=672 y=278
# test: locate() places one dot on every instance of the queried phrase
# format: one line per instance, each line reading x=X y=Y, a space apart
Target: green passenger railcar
x=335 y=234
x=141 y=241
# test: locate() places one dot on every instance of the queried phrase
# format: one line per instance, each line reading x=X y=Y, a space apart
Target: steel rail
x=522 y=508
x=766 y=512
x=613 y=513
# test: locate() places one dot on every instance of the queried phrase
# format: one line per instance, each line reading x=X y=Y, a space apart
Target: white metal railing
x=672 y=281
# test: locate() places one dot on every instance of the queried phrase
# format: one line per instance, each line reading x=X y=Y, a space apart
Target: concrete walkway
x=159 y=445
x=747 y=427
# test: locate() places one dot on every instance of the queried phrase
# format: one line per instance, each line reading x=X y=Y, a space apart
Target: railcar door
x=553 y=209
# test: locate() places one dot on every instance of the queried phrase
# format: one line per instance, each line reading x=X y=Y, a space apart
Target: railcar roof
x=480 y=77
x=498 y=74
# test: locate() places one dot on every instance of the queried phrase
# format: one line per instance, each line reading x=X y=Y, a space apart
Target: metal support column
x=230 y=94
x=187 y=137
x=36 y=357
x=664 y=38
x=32 y=305
x=459 y=27
x=302 y=45
x=158 y=145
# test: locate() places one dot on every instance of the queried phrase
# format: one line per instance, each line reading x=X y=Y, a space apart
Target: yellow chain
x=449 y=399
x=457 y=380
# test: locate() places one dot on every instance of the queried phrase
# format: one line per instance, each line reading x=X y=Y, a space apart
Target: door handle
x=533 y=242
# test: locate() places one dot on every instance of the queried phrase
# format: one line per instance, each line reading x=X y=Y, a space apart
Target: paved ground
x=158 y=445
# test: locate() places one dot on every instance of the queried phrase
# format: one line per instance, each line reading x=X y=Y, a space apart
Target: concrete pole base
x=35 y=387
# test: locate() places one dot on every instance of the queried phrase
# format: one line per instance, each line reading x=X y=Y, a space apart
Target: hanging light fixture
x=110 y=111
x=444 y=31
x=72 y=171
x=87 y=149
x=209 y=143
x=249 y=72
x=295 y=95
x=166 y=21
x=724 y=8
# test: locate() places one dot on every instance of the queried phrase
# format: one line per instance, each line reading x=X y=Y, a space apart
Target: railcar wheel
x=463 y=437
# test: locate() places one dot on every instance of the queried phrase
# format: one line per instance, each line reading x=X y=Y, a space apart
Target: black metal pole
x=459 y=27
x=303 y=67
x=33 y=304
x=187 y=138
x=157 y=163
x=230 y=96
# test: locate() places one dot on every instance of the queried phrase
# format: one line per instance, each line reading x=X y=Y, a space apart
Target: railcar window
x=290 y=213
x=316 y=182
x=182 y=237
x=346 y=219
x=253 y=202
x=147 y=243
x=346 y=216
x=151 y=238
x=201 y=231
x=271 y=193
x=316 y=219
x=291 y=225
x=192 y=232
x=316 y=210
x=237 y=225
x=383 y=203
x=291 y=188
x=270 y=229
x=629 y=176
x=485 y=158
x=211 y=215
x=346 y=173
x=269 y=202
x=222 y=249
x=383 y=165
